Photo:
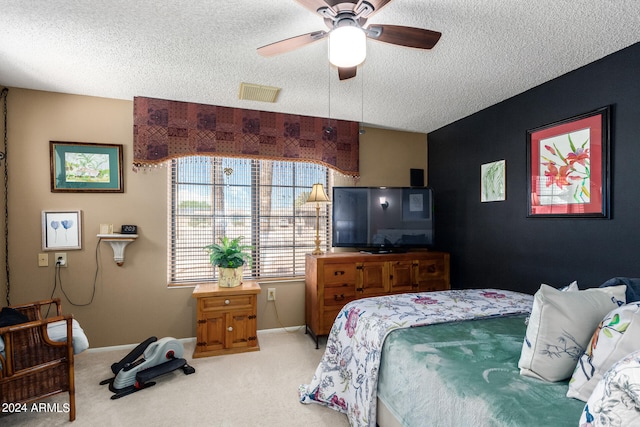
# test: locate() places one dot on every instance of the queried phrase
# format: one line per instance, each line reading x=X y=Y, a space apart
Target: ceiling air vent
x=254 y=92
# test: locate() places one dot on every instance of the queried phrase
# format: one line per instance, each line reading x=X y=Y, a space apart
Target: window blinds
x=261 y=200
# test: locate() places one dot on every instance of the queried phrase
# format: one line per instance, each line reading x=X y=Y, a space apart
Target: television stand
x=335 y=279
x=384 y=251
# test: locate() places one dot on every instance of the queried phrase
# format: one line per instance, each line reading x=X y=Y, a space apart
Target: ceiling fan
x=347 y=33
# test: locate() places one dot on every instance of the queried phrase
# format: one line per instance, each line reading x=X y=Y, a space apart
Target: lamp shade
x=347 y=46
x=318 y=195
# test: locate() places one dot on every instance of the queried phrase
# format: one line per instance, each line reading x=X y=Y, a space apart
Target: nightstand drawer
x=223 y=302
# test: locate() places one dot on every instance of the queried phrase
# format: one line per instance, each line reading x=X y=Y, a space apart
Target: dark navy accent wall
x=495 y=244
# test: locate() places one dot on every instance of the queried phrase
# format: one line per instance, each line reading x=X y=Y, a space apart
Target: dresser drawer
x=430 y=269
x=224 y=302
x=338 y=274
x=339 y=296
x=432 y=285
x=328 y=319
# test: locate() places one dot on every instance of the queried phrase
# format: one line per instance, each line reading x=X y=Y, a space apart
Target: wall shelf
x=118 y=243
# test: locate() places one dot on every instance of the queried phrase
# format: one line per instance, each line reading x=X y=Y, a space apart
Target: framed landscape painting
x=86 y=167
x=568 y=167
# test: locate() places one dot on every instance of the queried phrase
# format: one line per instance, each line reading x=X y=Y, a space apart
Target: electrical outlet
x=271 y=294
x=43 y=260
x=61 y=259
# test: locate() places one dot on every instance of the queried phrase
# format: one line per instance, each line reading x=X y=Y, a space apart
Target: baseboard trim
x=282 y=329
x=192 y=339
x=131 y=346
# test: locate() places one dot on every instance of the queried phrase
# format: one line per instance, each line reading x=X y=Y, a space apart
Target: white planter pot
x=229 y=277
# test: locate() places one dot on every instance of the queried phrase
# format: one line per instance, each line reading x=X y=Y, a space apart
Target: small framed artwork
x=568 y=167
x=61 y=230
x=85 y=167
x=493 y=181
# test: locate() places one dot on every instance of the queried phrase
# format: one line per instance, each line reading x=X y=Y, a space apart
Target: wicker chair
x=34 y=367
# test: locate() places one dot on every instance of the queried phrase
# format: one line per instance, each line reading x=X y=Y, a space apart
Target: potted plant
x=229 y=256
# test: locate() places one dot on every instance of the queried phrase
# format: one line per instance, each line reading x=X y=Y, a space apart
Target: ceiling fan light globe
x=347 y=46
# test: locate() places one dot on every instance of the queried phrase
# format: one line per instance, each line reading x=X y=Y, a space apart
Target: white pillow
x=57 y=331
x=560 y=326
x=571 y=287
x=617 y=335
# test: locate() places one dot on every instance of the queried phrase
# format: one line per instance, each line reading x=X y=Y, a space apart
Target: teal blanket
x=466 y=374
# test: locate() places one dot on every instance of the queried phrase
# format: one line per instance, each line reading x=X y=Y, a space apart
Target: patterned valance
x=163 y=130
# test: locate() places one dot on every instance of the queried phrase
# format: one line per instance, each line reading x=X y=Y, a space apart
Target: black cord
x=3 y=156
x=57 y=278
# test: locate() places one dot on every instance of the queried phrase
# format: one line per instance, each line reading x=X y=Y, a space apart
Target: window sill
x=265 y=281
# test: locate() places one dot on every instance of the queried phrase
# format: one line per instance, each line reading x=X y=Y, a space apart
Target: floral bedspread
x=347 y=377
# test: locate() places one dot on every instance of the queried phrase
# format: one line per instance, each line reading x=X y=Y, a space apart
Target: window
x=261 y=200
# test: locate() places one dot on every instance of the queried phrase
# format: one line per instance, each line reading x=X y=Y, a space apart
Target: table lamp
x=318 y=196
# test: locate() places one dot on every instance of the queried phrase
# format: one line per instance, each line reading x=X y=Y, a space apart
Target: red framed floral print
x=568 y=167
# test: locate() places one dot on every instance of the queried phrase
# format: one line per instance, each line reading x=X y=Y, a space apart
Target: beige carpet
x=248 y=389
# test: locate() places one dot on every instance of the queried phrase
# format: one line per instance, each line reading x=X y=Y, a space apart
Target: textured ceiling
x=201 y=51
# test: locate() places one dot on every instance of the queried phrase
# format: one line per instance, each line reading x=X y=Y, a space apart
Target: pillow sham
x=617 y=335
x=560 y=326
x=615 y=401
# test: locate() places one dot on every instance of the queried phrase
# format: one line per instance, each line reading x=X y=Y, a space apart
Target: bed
x=456 y=357
x=471 y=369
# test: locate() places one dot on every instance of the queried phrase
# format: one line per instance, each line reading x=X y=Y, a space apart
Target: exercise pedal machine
x=133 y=373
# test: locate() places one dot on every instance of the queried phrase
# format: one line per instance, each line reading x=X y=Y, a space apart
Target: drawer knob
x=227 y=302
x=338 y=297
x=338 y=273
x=230 y=329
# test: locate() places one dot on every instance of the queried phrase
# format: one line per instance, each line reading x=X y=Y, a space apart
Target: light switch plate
x=43 y=260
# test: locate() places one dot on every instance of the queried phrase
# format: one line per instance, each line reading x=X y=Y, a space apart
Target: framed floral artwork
x=493 y=181
x=61 y=230
x=568 y=167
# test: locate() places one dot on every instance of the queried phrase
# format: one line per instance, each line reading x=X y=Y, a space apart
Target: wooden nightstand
x=226 y=319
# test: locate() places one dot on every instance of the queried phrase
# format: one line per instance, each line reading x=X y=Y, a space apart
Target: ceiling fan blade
x=377 y=5
x=314 y=5
x=345 y=73
x=404 y=36
x=291 y=43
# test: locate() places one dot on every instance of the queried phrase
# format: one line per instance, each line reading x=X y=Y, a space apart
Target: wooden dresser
x=334 y=279
x=226 y=319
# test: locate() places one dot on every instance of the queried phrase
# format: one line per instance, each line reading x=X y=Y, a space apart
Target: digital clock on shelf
x=129 y=229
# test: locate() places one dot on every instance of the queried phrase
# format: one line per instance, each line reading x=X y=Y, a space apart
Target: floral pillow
x=615 y=402
x=560 y=326
x=617 y=335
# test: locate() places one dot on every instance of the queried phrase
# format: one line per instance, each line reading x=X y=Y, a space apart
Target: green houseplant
x=230 y=255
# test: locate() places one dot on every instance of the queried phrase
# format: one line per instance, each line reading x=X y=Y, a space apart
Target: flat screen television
x=382 y=219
